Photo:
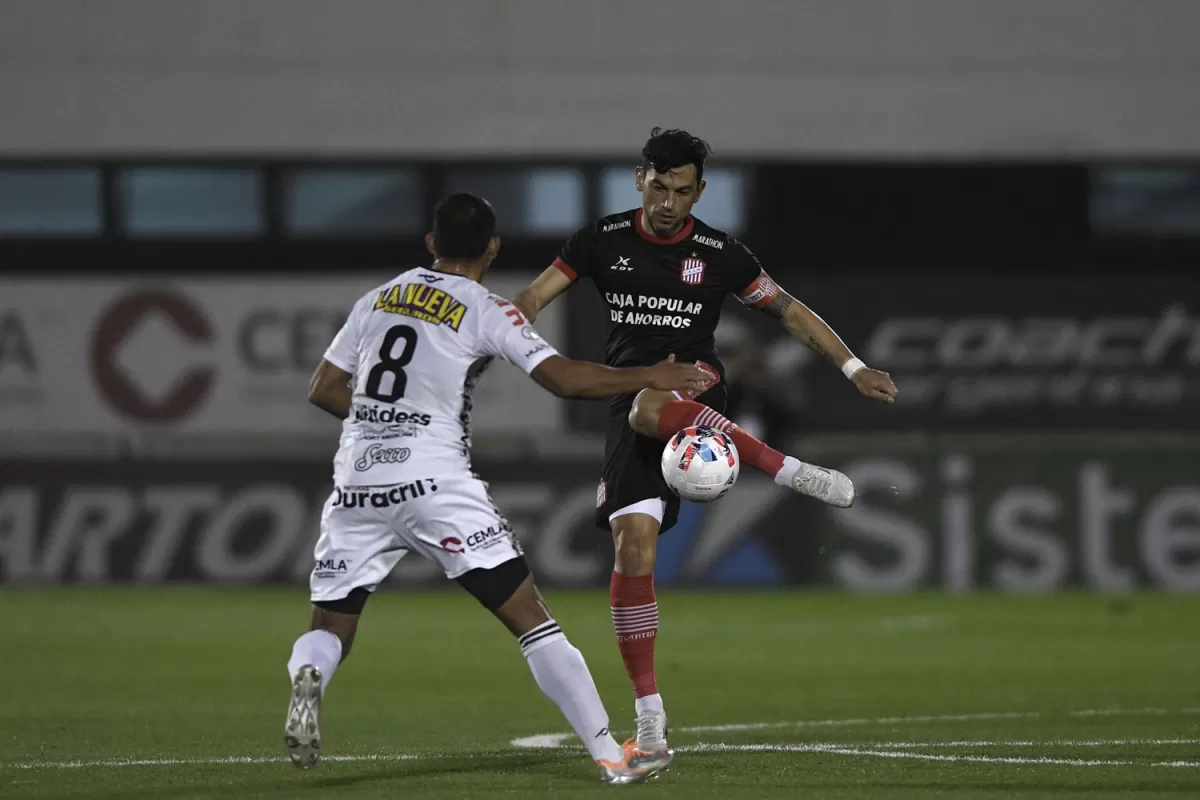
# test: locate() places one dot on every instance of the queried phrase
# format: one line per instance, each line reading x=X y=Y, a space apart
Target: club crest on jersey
x=693 y=270
x=422 y=302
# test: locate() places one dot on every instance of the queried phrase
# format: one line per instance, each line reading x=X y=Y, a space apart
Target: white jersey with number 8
x=416 y=347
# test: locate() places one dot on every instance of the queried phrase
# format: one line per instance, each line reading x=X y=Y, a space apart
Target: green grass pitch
x=771 y=695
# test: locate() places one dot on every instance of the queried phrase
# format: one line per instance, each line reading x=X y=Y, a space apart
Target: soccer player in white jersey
x=400 y=373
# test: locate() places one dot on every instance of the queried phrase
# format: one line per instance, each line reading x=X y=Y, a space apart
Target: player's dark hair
x=674 y=148
x=463 y=225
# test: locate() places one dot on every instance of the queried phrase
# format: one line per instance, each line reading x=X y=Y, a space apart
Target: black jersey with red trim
x=663 y=295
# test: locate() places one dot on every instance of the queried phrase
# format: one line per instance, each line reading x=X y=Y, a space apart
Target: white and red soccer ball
x=700 y=464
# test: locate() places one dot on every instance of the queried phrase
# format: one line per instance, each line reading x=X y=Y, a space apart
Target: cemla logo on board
x=119 y=324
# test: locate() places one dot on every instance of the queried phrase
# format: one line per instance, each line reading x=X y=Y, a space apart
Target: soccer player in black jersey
x=664 y=275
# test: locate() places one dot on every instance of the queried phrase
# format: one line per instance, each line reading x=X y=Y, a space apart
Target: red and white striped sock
x=635 y=620
x=679 y=414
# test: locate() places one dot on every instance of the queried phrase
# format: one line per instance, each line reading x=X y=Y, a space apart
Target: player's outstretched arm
x=539 y=294
x=329 y=390
x=568 y=378
x=804 y=324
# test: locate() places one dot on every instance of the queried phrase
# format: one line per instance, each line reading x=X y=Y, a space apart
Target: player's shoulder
x=494 y=300
x=715 y=240
x=614 y=223
x=372 y=297
x=589 y=236
x=377 y=296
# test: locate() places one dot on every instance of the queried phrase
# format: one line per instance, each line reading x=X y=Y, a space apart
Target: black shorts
x=633 y=464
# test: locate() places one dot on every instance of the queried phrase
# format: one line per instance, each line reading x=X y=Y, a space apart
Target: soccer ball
x=700 y=464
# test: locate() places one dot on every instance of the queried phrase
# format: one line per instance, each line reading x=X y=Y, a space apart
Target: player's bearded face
x=668 y=197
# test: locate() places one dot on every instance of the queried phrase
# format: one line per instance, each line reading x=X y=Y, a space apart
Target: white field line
x=1030 y=743
x=560 y=739
x=175 y=762
x=1071 y=762
x=843 y=750
x=886 y=750
x=551 y=740
x=908 y=624
x=1109 y=712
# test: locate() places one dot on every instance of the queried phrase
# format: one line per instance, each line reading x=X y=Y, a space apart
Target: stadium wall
x=224 y=362
x=153 y=429
x=1007 y=513
x=856 y=78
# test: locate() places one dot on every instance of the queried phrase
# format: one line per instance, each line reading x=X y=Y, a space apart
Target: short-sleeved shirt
x=416 y=346
x=663 y=296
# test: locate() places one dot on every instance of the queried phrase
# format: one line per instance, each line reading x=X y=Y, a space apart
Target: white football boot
x=635 y=767
x=651 y=736
x=301 y=730
x=826 y=485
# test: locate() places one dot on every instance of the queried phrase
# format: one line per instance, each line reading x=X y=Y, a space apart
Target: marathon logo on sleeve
x=422 y=302
x=709 y=241
x=382 y=496
x=761 y=292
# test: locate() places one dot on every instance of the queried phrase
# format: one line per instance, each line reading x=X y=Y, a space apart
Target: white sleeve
x=506 y=333
x=343 y=351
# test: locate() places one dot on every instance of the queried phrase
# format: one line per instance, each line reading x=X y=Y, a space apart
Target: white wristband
x=852 y=366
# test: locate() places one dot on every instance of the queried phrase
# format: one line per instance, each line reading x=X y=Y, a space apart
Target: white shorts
x=654 y=507
x=366 y=530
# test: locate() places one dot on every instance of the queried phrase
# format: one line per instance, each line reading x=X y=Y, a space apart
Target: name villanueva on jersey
x=636 y=309
x=424 y=303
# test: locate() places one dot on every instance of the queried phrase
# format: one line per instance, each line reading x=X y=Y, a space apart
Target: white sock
x=320 y=648
x=790 y=467
x=563 y=676
x=651 y=702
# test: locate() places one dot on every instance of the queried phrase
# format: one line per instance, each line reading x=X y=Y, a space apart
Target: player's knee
x=636 y=548
x=643 y=416
x=525 y=610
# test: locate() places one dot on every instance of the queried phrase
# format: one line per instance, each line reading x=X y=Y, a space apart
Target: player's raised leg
x=315 y=657
x=661 y=415
x=635 y=531
x=559 y=668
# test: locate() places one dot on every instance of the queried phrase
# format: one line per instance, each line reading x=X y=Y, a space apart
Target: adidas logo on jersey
x=389 y=416
x=424 y=303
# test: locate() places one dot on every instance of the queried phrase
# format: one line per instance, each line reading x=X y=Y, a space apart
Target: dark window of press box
x=191 y=201
x=51 y=201
x=354 y=202
x=1145 y=201
x=536 y=201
